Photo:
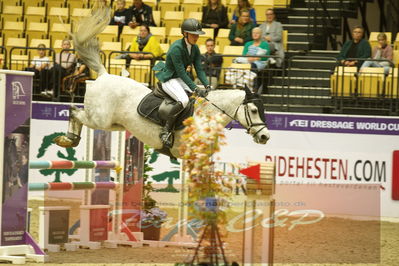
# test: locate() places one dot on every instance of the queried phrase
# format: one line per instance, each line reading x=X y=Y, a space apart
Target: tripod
x=215 y=244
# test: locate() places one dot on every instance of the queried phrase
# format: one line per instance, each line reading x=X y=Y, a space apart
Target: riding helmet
x=193 y=26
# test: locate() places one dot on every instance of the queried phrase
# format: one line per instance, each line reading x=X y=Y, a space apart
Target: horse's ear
x=247 y=90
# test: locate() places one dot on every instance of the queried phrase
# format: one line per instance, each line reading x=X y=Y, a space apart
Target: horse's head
x=251 y=115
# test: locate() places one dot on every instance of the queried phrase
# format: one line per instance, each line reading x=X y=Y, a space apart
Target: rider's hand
x=209 y=88
x=201 y=92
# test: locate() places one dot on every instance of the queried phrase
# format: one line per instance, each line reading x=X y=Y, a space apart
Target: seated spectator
x=355 y=48
x=256 y=48
x=240 y=32
x=214 y=15
x=141 y=14
x=39 y=66
x=81 y=73
x=243 y=5
x=272 y=32
x=211 y=63
x=64 y=65
x=122 y=16
x=382 y=51
x=146 y=43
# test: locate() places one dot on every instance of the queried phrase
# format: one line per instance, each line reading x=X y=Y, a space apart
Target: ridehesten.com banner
x=332 y=149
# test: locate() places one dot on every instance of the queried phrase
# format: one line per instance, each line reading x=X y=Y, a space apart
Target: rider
x=175 y=75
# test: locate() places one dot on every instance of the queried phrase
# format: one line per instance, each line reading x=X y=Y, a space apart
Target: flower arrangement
x=202 y=137
x=153 y=217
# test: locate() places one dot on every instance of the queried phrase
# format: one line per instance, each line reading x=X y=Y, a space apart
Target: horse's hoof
x=65 y=142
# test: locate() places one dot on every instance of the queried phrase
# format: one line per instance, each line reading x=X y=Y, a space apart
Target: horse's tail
x=85 y=41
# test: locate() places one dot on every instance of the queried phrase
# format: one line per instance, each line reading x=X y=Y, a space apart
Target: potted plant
x=152 y=217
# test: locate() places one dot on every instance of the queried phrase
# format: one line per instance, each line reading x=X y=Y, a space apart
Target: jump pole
x=16 y=244
x=260 y=202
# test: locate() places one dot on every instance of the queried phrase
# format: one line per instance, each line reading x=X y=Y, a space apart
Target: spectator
x=272 y=32
x=356 y=48
x=243 y=5
x=64 y=65
x=256 y=48
x=146 y=43
x=214 y=15
x=122 y=16
x=240 y=32
x=39 y=66
x=81 y=73
x=382 y=51
x=211 y=63
x=141 y=14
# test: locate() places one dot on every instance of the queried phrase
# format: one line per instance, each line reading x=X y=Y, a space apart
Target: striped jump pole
x=72 y=186
x=74 y=165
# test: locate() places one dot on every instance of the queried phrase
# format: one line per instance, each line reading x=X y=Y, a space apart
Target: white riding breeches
x=176 y=88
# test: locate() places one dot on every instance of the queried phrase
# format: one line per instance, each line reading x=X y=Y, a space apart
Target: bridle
x=247 y=115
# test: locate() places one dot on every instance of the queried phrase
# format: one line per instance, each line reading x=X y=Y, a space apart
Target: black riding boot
x=170 y=114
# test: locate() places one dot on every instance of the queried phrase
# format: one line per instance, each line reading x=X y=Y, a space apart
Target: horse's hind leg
x=72 y=138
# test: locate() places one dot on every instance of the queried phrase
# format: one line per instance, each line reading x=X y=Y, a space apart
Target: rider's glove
x=209 y=88
x=201 y=92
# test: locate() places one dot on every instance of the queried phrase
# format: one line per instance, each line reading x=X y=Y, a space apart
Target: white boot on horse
x=112 y=102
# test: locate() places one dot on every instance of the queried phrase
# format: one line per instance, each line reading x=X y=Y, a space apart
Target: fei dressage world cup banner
x=327 y=149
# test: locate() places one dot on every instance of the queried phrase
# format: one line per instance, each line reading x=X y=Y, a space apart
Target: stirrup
x=68 y=141
x=166 y=138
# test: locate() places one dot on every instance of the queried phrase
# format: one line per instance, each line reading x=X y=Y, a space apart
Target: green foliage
x=46 y=143
x=149 y=157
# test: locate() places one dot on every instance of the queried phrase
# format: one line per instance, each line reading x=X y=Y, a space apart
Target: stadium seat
x=191 y=6
x=1 y=41
x=281 y=3
x=371 y=82
x=78 y=13
x=209 y=32
x=159 y=32
x=35 y=14
x=223 y=38
x=59 y=31
x=173 y=19
x=76 y=4
x=116 y=65
x=54 y=3
x=174 y=34
x=285 y=40
x=151 y=3
x=32 y=3
x=374 y=41
x=36 y=42
x=13 y=42
x=261 y=6
x=19 y=62
x=108 y=47
x=37 y=30
x=110 y=34
x=12 y=13
x=127 y=35
x=168 y=5
x=157 y=17
x=343 y=81
x=396 y=43
x=396 y=58
x=12 y=29
x=391 y=87
x=231 y=50
x=165 y=47
x=196 y=15
x=140 y=70
x=56 y=13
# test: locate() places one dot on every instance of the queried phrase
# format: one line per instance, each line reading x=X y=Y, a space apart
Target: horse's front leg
x=72 y=138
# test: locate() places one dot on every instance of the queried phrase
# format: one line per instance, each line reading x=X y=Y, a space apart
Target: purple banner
x=47 y=111
x=330 y=124
x=16 y=151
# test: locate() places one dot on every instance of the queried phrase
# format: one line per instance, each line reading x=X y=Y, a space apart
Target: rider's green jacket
x=177 y=60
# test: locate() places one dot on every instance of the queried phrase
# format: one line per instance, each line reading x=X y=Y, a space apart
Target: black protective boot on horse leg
x=72 y=138
x=169 y=111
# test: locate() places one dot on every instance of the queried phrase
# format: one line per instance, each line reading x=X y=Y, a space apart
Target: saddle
x=149 y=107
